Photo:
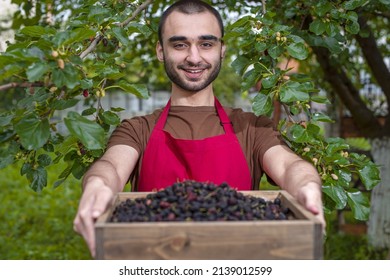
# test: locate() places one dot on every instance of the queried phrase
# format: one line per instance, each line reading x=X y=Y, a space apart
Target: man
x=194 y=137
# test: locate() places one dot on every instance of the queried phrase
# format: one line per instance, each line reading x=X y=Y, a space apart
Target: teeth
x=194 y=71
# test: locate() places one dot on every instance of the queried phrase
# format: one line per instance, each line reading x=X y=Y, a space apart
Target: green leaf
x=298 y=134
x=369 y=175
x=64 y=104
x=99 y=14
x=320 y=99
x=353 y=27
x=275 y=51
x=270 y=81
x=58 y=183
x=335 y=147
x=78 y=35
x=89 y=111
x=26 y=168
x=336 y=194
x=353 y=4
x=44 y=160
x=321 y=117
x=344 y=176
x=317 y=26
x=139 y=90
x=6 y=118
x=111 y=73
x=37 y=31
x=60 y=37
x=78 y=170
x=90 y=133
x=313 y=129
x=298 y=51
x=359 y=204
x=66 y=77
x=323 y=7
x=262 y=104
x=249 y=79
x=33 y=132
x=289 y=92
x=260 y=46
x=332 y=29
x=240 y=64
x=40 y=96
x=117 y=109
x=110 y=118
x=66 y=172
x=121 y=35
x=140 y=28
x=333 y=45
x=36 y=71
x=68 y=144
x=86 y=83
x=38 y=179
x=10 y=70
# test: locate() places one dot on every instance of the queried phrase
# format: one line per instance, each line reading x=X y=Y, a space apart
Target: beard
x=192 y=85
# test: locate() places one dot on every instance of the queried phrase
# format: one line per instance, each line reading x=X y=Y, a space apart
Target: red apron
x=215 y=159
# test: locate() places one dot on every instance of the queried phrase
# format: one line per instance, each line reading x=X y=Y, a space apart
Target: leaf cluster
x=56 y=66
x=269 y=46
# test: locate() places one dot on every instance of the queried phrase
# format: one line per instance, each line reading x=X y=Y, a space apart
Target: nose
x=194 y=56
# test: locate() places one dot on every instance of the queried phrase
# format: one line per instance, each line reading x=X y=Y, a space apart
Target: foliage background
x=32 y=59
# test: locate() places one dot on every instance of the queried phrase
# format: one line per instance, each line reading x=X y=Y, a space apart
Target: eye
x=206 y=45
x=179 y=46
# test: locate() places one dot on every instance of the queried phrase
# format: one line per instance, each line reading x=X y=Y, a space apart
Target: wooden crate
x=300 y=238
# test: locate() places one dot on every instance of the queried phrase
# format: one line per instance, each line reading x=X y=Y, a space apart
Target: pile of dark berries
x=195 y=201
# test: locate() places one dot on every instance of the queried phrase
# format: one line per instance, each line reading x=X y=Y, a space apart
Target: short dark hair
x=189 y=7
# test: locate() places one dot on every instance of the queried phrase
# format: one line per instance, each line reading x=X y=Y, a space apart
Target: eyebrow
x=202 y=37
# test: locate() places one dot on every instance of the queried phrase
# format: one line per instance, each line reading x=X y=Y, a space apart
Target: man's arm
x=106 y=177
x=297 y=176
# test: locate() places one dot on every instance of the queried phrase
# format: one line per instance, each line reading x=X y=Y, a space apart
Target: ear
x=159 y=51
x=223 y=51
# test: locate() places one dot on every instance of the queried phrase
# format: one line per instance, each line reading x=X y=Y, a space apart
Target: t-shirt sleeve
x=266 y=136
x=131 y=132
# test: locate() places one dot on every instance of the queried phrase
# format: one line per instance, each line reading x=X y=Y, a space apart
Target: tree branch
x=20 y=85
x=91 y=47
x=136 y=12
x=99 y=37
x=87 y=51
x=374 y=58
x=263 y=6
x=376 y=62
x=349 y=95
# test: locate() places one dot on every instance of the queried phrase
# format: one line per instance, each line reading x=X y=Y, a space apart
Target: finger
x=102 y=202
x=99 y=204
x=84 y=221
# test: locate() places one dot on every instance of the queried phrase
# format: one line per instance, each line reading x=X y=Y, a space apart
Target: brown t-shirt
x=255 y=134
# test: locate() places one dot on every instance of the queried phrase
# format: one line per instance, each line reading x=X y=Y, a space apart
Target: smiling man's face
x=192 y=50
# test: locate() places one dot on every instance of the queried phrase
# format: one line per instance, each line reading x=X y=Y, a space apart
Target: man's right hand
x=94 y=202
x=102 y=181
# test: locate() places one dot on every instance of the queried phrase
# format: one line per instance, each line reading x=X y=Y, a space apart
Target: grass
x=40 y=225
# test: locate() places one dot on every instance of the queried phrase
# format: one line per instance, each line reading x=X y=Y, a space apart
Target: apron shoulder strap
x=163 y=117
x=225 y=121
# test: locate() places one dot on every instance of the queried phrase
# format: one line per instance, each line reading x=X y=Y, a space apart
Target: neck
x=180 y=97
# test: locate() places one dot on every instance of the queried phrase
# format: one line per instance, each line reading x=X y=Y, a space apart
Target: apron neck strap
x=225 y=121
